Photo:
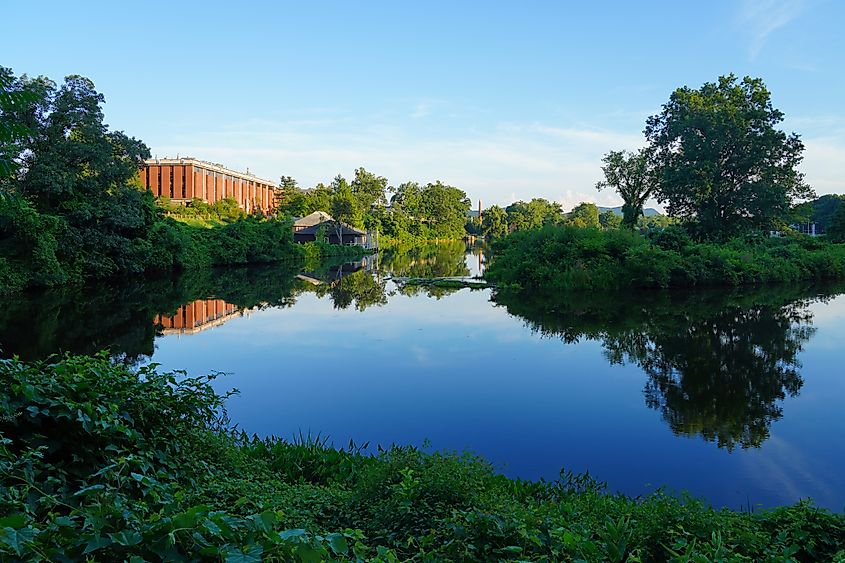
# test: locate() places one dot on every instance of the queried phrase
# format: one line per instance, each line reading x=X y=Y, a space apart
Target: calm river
x=736 y=397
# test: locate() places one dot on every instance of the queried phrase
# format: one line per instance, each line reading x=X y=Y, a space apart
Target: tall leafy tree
x=15 y=96
x=345 y=210
x=81 y=179
x=288 y=183
x=444 y=210
x=631 y=174
x=292 y=201
x=533 y=214
x=369 y=189
x=610 y=220
x=494 y=222
x=836 y=227
x=723 y=163
x=584 y=215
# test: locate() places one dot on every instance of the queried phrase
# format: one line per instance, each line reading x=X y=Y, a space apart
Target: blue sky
x=505 y=100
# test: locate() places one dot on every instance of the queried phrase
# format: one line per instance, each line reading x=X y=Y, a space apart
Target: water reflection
x=444 y=260
x=427 y=261
x=197 y=316
x=360 y=288
x=126 y=317
x=719 y=364
x=715 y=365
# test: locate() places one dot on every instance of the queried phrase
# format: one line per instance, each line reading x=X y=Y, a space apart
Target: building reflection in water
x=197 y=316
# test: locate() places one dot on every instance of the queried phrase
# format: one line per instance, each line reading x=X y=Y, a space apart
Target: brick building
x=197 y=316
x=182 y=179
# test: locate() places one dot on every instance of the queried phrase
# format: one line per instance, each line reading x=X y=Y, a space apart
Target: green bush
x=568 y=258
x=98 y=462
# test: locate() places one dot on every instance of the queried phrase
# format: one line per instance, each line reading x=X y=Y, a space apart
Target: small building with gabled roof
x=311 y=220
x=348 y=235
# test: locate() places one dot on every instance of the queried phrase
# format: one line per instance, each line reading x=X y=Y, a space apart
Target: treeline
x=410 y=211
x=730 y=183
x=827 y=213
x=519 y=216
x=102 y=462
x=72 y=207
x=716 y=159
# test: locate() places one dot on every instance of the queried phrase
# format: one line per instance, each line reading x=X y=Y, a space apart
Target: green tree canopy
x=369 y=189
x=344 y=208
x=79 y=179
x=610 y=220
x=15 y=96
x=823 y=210
x=533 y=214
x=631 y=174
x=836 y=226
x=494 y=222
x=584 y=215
x=723 y=164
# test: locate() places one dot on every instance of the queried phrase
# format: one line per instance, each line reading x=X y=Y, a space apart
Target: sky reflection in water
x=465 y=374
x=733 y=397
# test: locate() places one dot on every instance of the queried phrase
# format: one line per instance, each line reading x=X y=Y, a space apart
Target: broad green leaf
x=14 y=521
x=126 y=538
x=295 y=533
x=16 y=539
x=96 y=543
x=338 y=544
x=308 y=554
x=253 y=555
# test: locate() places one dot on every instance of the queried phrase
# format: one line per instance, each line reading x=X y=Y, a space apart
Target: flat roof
x=213 y=166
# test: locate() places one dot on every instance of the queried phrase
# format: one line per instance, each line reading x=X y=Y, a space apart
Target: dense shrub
x=32 y=247
x=99 y=462
x=226 y=210
x=567 y=258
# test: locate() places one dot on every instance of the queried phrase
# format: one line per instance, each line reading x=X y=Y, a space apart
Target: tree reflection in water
x=718 y=364
x=121 y=316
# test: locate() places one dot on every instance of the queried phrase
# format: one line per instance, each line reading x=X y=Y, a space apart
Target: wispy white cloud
x=824 y=164
x=785 y=466
x=421 y=110
x=511 y=161
x=760 y=18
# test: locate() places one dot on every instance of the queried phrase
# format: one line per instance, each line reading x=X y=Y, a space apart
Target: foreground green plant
x=102 y=463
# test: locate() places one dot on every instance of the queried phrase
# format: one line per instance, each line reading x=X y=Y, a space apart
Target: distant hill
x=648 y=211
x=823 y=210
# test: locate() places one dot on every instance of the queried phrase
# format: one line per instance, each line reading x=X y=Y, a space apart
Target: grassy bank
x=569 y=258
x=37 y=250
x=103 y=463
x=48 y=250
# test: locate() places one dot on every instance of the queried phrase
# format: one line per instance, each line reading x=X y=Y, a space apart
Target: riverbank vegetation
x=728 y=178
x=497 y=222
x=102 y=462
x=569 y=258
x=203 y=214
x=72 y=208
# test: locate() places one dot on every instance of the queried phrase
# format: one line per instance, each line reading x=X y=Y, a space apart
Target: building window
x=184 y=188
x=171 y=182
